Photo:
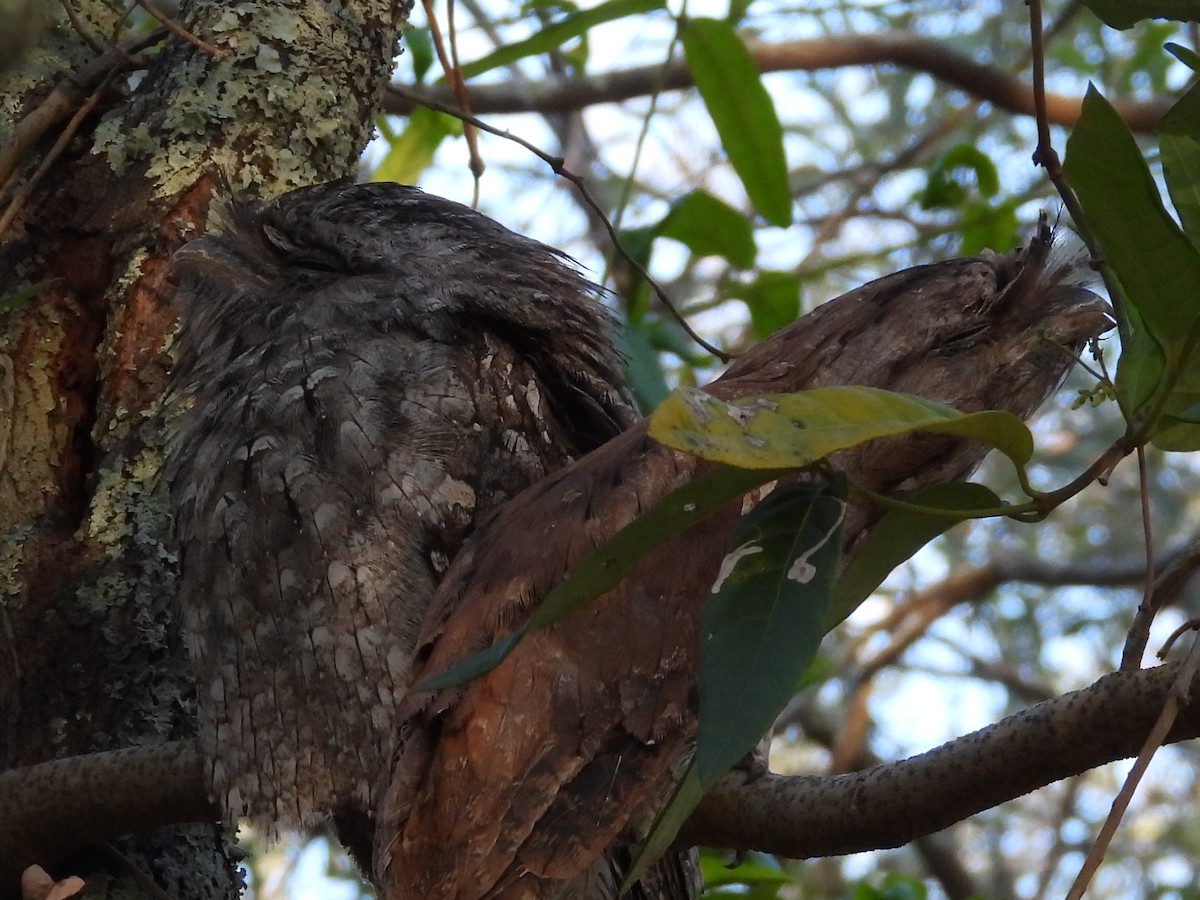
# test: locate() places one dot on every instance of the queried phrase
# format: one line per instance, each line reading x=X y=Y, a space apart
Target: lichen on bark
x=86 y=576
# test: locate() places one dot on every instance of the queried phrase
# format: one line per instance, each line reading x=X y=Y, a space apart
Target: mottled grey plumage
x=371 y=370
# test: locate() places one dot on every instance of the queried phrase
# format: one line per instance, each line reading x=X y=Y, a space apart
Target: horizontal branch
x=893 y=803
x=54 y=808
x=983 y=82
x=50 y=810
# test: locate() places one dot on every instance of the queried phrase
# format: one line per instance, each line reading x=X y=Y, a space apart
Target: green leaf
x=420 y=45
x=781 y=431
x=1142 y=364
x=762 y=625
x=743 y=113
x=710 y=227
x=1179 y=140
x=1178 y=427
x=1127 y=13
x=717 y=873
x=643 y=370
x=1185 y=55
x=412 y=150
x=554 y=36
x=774 y=301
x=901 y=533
x=605 y=567
x=1181 y=170
x=1153 y=259
x=988 y=227
x=944 y=186
x=687 y=796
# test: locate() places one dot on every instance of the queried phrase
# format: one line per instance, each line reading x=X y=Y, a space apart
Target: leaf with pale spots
x=776 y=431
x=766 y=615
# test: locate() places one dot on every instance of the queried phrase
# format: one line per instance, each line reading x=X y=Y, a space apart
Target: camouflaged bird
x=367 y=371
x=540 y=778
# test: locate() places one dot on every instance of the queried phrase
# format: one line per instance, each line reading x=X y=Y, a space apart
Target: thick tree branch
x=981 y=81
x=51 y=809
x=893 y=803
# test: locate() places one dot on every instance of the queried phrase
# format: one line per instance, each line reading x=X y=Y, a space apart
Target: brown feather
x=536 y=779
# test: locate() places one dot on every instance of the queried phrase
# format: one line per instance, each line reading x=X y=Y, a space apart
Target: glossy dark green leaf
x=554 y=36
x=710 y=227
x=1142 y=365
x=774 y=301
x=1178 y=427
x=743 y=113
x=1179 y=141
x=762 y=625
x=1185 y=55
x=1153 y=259
x=1127 y=13
x=899 y=534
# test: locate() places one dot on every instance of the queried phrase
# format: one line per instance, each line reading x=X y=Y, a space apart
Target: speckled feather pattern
x=367 y=372
x=530 y=780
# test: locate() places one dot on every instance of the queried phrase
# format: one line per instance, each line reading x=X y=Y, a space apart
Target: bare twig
x=18 y=201
x=1167 y=586
x=66 y=97
x=905 y=50
x=180 y=32
x=461 y=97
x=82 y=30
x=1177 y=698
x=1131 y=656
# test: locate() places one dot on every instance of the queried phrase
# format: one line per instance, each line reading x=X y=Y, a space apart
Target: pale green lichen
x=284 y=108
x=128 y=523
x=30 y=429
x=11 y=559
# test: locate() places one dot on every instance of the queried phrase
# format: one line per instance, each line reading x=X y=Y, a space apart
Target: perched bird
x=366 y=371
x=540 y=778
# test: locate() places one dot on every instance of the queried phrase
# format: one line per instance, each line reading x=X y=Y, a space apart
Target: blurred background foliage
x=911 y=155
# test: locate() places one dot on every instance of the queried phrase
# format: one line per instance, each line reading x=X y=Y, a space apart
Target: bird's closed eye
x=299 y=256
x=967 y=336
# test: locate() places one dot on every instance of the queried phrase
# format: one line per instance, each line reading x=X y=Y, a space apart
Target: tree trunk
x=284 y=95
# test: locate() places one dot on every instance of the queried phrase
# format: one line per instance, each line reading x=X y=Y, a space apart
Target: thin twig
x=556 y=165
x=180 y=32
x=1178 y=697
x=82 y=30
x=1177 y=573
x=66 y=97
x=1131 y=656
x=1044 y=155
x=18 y=201
x=461 y=97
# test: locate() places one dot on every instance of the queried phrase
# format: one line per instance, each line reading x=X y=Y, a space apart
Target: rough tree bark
x=285 y=95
